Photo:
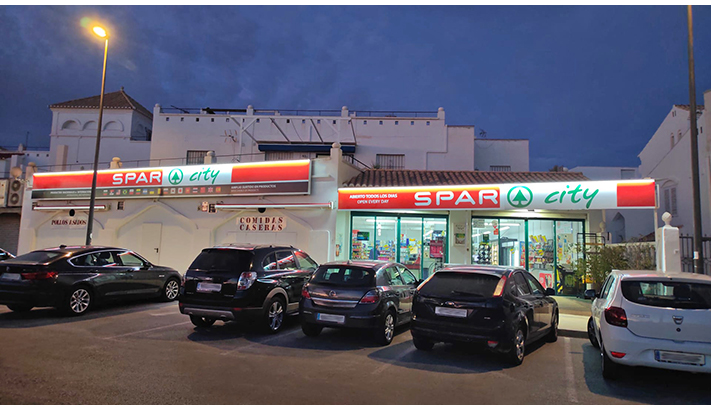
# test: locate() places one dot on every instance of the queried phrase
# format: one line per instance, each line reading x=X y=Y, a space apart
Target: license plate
x=450 y=312
x=680 y=358
x=11 y=276
x=324 y=317
x=209 y=287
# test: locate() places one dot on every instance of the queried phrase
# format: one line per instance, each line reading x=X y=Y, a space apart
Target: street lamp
x=101 y=32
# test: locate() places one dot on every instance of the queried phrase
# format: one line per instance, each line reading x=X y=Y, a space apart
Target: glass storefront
x=418 y=242
x=544 y=247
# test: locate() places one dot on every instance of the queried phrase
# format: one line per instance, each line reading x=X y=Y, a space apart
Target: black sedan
x=75 y=278
x=375 y=295
x=504 y=308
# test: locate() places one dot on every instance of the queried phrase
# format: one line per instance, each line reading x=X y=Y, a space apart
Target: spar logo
x=175 y=177
x=519 y=196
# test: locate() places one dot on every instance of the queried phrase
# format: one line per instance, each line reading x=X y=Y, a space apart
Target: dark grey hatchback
x=375 y=295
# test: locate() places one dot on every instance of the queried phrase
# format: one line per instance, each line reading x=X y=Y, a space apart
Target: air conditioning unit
x=14 y=193
x=4 y=183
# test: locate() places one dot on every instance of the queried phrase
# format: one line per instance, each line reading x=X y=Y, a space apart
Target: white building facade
x=667 y=159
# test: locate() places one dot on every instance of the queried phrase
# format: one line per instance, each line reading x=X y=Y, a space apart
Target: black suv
x=234 y=281
x=374 y=295
x=502 y=307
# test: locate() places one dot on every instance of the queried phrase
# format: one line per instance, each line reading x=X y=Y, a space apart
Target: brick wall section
x=9 y=232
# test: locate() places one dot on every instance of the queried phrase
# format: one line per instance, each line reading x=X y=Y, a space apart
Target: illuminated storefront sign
x=257 y=178
x=570 y=196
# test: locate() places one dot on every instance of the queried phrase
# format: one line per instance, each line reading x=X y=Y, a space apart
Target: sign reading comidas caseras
x=243 y=179
x=569 y=196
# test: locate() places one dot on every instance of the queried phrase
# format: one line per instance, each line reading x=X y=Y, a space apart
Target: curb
x=572 y=333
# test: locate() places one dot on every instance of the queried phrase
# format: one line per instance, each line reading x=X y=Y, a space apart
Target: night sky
x=586 y=85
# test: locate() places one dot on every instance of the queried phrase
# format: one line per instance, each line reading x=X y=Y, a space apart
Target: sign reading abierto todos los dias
x=578 y=195
x=256 y=178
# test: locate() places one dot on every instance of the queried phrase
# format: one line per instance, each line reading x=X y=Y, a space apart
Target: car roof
x=78 y=249
x=249 y=246
x=651 y=274
x=485 y=269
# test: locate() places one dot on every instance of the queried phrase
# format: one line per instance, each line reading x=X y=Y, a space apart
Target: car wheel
x=591 y=333
x=385 y=332
x=274 y=315
x=518 y=347
x=311 y=330
x=170 y=290
x=78 y=301
x=610 y=369
x=422 y=343
x=20 y=308
x=203 y=322
x=553 y=335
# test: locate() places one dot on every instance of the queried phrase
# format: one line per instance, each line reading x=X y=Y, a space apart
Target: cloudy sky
x=586 y=85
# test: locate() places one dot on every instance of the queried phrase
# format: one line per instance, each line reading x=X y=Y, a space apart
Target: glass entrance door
x=411 y=244
x=435 y=245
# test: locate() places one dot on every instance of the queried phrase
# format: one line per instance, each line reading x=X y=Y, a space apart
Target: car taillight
x=39 y=275
x=618 y=355
x=373 y=296
x=616 y=316
x=246 y=279
x=500 y=287
x=305 y=293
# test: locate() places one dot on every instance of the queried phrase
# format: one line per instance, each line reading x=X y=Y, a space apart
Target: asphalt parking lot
x=148 y=353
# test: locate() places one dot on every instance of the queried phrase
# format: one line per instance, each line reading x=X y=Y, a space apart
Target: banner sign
x=261 y=223
x=243 y=179
x=563 y=196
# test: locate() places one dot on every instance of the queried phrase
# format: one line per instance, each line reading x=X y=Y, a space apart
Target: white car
x=653 y=319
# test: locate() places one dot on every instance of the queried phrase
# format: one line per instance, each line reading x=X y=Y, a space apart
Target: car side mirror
x=146 y=265
x=590 y=294
x=550 y=292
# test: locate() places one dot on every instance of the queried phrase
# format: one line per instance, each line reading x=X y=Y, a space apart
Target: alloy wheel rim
x=171 y=290
x=276 y=315
x=79 y=301
x=519 y=345
x=389 y=327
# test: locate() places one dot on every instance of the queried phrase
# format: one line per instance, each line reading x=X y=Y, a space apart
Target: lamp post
x=698 y=246
x=101 y=32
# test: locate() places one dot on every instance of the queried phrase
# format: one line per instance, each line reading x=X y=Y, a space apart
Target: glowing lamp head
x=99 y=31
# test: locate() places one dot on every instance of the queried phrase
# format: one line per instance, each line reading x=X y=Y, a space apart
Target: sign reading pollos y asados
x=577 y=195
x=243 y=179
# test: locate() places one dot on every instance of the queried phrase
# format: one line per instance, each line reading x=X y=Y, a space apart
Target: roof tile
x=117 y=100
x=396 y=177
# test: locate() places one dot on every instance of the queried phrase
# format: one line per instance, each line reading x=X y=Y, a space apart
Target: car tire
x=610 y=369
x=422 y=343
x=20 y=308
x=518 y=347
x=171 y=290
x=385 y=331
x=274 y=314
x=553 y=334
x=78 y=301
x=201 y=322
x=591 y=333
x=311 y=330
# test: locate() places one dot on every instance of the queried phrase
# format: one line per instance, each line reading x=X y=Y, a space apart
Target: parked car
x=375 y=295
x=652 y=319
x=504 y=308
x=245 y=281
x=75 y=278
x=5 y=255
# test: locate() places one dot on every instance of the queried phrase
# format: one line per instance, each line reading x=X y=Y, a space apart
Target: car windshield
x=669 y=294
x=343 y=276
x=38 y=257
x=234 y=260
x=458 y=285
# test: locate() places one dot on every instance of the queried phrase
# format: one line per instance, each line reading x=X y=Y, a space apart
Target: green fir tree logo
x=519 y=196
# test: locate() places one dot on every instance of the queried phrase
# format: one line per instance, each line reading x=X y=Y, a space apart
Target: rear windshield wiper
x=459 y=292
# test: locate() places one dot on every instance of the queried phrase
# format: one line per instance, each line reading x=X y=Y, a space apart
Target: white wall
x=499 y=152
x=80 y=137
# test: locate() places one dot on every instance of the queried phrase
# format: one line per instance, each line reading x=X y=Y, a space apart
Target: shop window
x=485 y=241
x=390 y=161
x=541 y=249
x=568 y=252
x=500 y=168
x=195 y=157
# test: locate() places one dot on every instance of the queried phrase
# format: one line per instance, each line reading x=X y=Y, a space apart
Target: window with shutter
x=672 y=194
x=667 y=204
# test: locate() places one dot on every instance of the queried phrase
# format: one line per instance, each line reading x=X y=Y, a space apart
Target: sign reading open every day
x=244 y=179
x=572 y=195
